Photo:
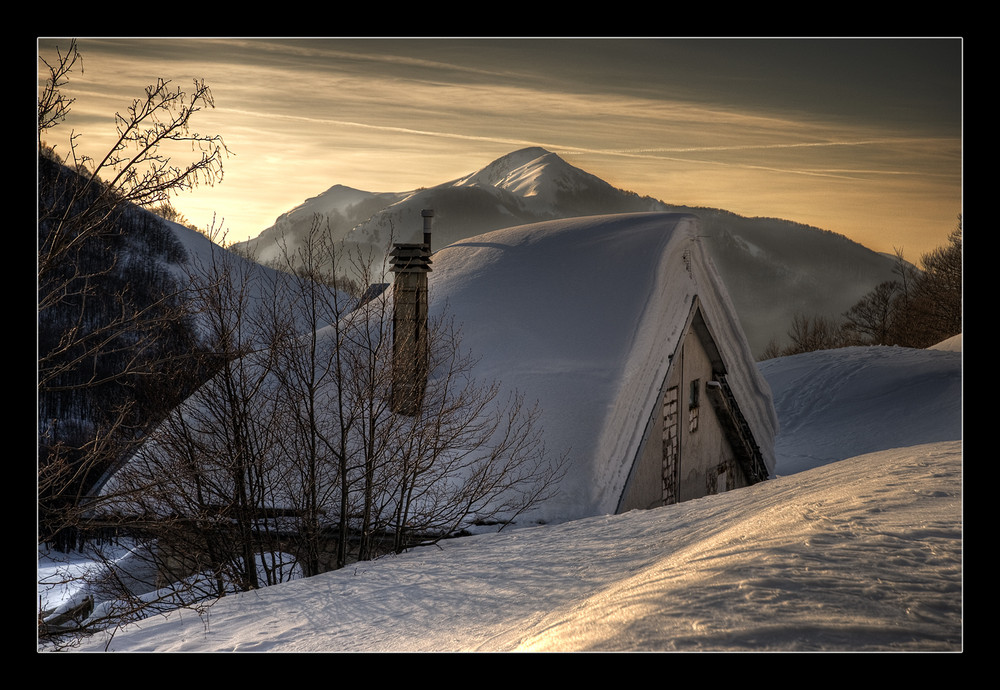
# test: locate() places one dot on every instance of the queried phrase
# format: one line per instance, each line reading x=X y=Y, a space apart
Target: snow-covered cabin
x=621 y=329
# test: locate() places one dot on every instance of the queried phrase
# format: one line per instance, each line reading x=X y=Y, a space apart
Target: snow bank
x=835 y=404
x=860 y=555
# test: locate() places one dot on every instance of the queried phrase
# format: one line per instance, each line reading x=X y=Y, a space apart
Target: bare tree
x=873 y=319
x=813 y=333
x=298 y=424
x=114 y=333
x=205 y=489
x=88 y=317
x=136 y=170
x=471 y=453
x=918 y=308
x=937 y=298
x=313 y=375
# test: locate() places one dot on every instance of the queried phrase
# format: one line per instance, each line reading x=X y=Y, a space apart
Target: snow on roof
x=582 y=315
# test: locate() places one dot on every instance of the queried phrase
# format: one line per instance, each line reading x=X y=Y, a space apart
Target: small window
x=693 y=405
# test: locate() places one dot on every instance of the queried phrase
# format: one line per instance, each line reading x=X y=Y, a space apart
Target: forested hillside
x=114 y=338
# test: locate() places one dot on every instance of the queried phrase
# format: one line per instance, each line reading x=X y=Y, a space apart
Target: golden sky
x=862 y=137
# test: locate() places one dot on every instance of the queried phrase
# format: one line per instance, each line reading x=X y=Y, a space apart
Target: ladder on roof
x=737 y=428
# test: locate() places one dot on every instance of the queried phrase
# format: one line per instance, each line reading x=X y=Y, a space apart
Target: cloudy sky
x=859 y=136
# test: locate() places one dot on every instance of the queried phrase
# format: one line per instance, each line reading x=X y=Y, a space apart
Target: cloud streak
x=755 y=127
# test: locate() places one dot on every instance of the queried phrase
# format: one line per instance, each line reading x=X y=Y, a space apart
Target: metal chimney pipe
x=428 y=215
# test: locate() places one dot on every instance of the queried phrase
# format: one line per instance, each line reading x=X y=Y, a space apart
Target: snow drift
x=816 y=390
x=859 y=555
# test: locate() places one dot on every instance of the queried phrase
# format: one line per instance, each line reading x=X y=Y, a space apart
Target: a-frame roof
x=582 y=315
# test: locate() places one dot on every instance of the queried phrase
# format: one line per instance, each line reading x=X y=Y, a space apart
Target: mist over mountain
x=773 y=268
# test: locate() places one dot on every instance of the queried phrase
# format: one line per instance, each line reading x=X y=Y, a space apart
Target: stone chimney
x=410 y=263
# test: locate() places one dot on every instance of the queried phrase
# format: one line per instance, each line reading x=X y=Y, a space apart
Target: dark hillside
x=112 y=331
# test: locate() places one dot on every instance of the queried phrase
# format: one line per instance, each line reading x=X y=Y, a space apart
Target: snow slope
x=254 y=284
x=813 y=390
x=859 y=554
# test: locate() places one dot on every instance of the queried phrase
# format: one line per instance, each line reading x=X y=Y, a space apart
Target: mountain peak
x=524 y=173
x=525 y=155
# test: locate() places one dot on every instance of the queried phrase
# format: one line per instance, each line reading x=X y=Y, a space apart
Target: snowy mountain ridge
x=337 y=199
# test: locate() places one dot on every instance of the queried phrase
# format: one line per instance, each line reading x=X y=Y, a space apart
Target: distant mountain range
x=774 y=269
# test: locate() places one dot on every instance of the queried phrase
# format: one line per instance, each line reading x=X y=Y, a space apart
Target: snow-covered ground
x=856 y=545
x=836 y=404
